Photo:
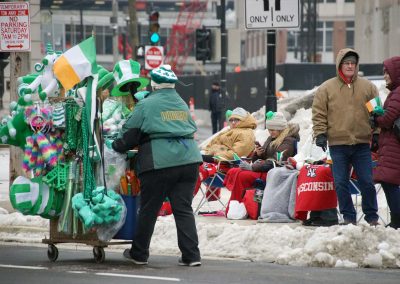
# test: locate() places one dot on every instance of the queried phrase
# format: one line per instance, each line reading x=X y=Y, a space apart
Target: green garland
x=88 y=169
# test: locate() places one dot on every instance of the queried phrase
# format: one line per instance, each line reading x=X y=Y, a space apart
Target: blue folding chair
x=354 y=188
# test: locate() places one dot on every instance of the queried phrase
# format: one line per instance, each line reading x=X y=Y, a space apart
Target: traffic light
x=154 y=28
x=203 y=44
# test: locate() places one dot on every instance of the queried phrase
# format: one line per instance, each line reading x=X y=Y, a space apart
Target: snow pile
x=291 y=244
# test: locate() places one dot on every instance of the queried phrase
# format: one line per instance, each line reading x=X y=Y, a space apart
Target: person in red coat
x=387 y=171
x=280 y=145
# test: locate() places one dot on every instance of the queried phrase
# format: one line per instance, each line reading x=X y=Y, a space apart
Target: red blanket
x=315 y=190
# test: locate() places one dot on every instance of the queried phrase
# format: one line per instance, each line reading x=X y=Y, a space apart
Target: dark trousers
x=358 y=156
x=176 y=183
x=217 y=121
x=392 y=193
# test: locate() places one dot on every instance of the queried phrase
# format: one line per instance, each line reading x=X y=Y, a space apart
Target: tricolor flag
x=373 y=103
x=77 y=63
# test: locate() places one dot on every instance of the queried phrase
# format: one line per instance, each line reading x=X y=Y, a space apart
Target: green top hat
x=125 y=72
x=106 y=78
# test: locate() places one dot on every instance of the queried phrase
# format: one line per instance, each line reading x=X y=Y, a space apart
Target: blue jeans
x=392 y=193
x=358 y=156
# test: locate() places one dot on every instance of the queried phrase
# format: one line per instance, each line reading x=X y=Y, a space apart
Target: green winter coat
x=163 y=129
x=339 y=109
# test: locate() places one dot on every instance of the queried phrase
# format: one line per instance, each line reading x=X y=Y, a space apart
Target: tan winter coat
x=339 y=109
x=239 y=140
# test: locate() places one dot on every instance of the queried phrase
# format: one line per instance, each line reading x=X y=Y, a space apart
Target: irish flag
x=77 y=63
x=373 y=103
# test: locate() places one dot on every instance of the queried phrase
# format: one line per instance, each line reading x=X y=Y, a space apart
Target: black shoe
x=348 y=222
x=309 y=222
x=323 y=223
x=189 y=263
x=374 y=223
x=128 y=256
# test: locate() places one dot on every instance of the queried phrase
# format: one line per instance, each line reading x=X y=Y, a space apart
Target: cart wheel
x=99 y=255
x=52 y=252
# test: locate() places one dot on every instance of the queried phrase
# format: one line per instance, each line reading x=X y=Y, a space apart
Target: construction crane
x=180 y=42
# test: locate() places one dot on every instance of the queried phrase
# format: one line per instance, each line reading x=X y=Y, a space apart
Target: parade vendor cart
x=58 y=122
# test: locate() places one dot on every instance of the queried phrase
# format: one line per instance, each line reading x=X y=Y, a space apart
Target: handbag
x=396 y=128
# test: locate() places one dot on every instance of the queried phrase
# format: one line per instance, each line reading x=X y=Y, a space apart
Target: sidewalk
x=4 y=179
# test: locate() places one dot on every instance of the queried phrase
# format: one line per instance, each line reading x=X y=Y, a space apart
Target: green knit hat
x=163 y=74
x=125 y=72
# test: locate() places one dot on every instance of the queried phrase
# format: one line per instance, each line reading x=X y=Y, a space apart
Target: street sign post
x=15 y=27
x=154 y=57
x=270 y=14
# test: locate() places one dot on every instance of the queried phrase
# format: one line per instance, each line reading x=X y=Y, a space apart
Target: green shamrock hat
x=125 y=72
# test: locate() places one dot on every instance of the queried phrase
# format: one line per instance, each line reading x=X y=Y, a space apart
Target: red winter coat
x=388 y=169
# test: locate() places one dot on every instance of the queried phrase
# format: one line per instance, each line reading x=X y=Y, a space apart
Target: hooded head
x=244 y=118
x=276 y=121
x=347 y=56
x=163 y=77
x=392 y=67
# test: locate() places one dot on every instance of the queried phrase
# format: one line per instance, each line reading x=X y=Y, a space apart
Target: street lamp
x=124 y=37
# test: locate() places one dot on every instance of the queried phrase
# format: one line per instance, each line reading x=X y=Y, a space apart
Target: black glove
x=372 y=121
x=322 y=141
x=374 y=143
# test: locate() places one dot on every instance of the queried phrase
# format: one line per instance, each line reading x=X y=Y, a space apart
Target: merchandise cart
x=90 y=238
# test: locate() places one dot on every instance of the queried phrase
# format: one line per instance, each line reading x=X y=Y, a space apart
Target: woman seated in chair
x=280 y=145
x=239 y=140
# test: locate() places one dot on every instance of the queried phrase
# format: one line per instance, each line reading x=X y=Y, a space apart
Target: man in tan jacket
x=341 y=118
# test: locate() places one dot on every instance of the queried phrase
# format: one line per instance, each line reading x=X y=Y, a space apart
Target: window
x=324 y=36
x=348 y=1
x=350 y=34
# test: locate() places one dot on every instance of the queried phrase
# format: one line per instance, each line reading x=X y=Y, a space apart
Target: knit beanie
x=163 y=74
x=276 y=121
x=350 y=56
x=239 y=113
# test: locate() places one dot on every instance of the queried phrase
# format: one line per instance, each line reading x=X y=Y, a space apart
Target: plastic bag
x=237 y=210
x=106 y=232
x=115 y=166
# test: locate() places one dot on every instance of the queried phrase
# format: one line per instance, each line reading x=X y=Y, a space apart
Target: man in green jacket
x=340 y=116
x=167 y=165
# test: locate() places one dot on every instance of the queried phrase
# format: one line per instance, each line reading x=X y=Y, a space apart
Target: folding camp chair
x=354 y=188
x=211 y=186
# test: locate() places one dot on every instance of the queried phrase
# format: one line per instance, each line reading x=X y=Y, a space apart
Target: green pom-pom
x=228 y=114
x=269 y=115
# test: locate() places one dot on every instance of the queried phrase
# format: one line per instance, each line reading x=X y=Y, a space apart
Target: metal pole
x=224 y=49
x=81 y=25
x=270 y=103
x=115 y=30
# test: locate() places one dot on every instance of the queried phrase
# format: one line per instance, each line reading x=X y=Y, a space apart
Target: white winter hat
x=239 y=113
x=276 y=121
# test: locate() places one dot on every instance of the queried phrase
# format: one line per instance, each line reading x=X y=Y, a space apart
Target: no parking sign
x=15 y=26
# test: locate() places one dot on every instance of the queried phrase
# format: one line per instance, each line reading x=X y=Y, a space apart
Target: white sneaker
x=191 y=263
x=127 y=255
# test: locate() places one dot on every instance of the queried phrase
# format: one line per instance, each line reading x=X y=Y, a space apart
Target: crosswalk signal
x=203 y=44
x=154 y=28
